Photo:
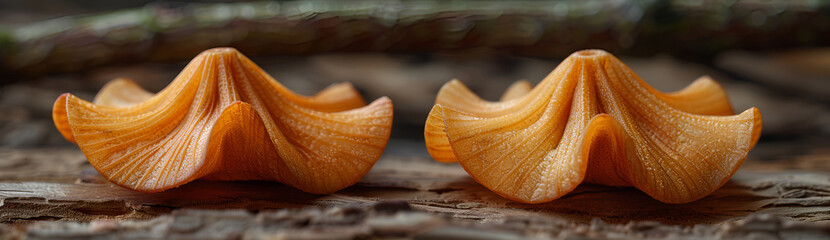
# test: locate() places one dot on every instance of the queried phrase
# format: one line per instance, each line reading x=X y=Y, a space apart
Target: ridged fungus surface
x=592 y=119
x=224 y=118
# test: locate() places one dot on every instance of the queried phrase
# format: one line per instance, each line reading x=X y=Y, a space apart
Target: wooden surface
x=52 y=193
x=49 y=191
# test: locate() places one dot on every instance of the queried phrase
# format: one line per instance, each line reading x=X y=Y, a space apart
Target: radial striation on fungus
x=592 y=119
x=224 y=118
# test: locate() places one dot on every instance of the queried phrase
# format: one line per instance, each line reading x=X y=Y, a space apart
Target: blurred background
x=774 y=55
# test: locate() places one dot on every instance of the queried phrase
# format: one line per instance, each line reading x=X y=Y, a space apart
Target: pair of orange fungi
x=592 y=119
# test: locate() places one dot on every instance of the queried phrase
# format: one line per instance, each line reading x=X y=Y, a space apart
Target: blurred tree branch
x=176 y=31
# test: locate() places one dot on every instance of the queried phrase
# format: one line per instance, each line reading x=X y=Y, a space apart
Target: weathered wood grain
x=400 y=197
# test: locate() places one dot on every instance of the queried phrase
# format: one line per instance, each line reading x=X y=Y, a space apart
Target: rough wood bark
x=400 y=198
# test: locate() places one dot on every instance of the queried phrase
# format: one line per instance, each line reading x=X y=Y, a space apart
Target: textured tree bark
x=401 y=197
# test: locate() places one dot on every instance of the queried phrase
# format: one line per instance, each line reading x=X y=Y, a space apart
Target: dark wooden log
x=168 y=31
